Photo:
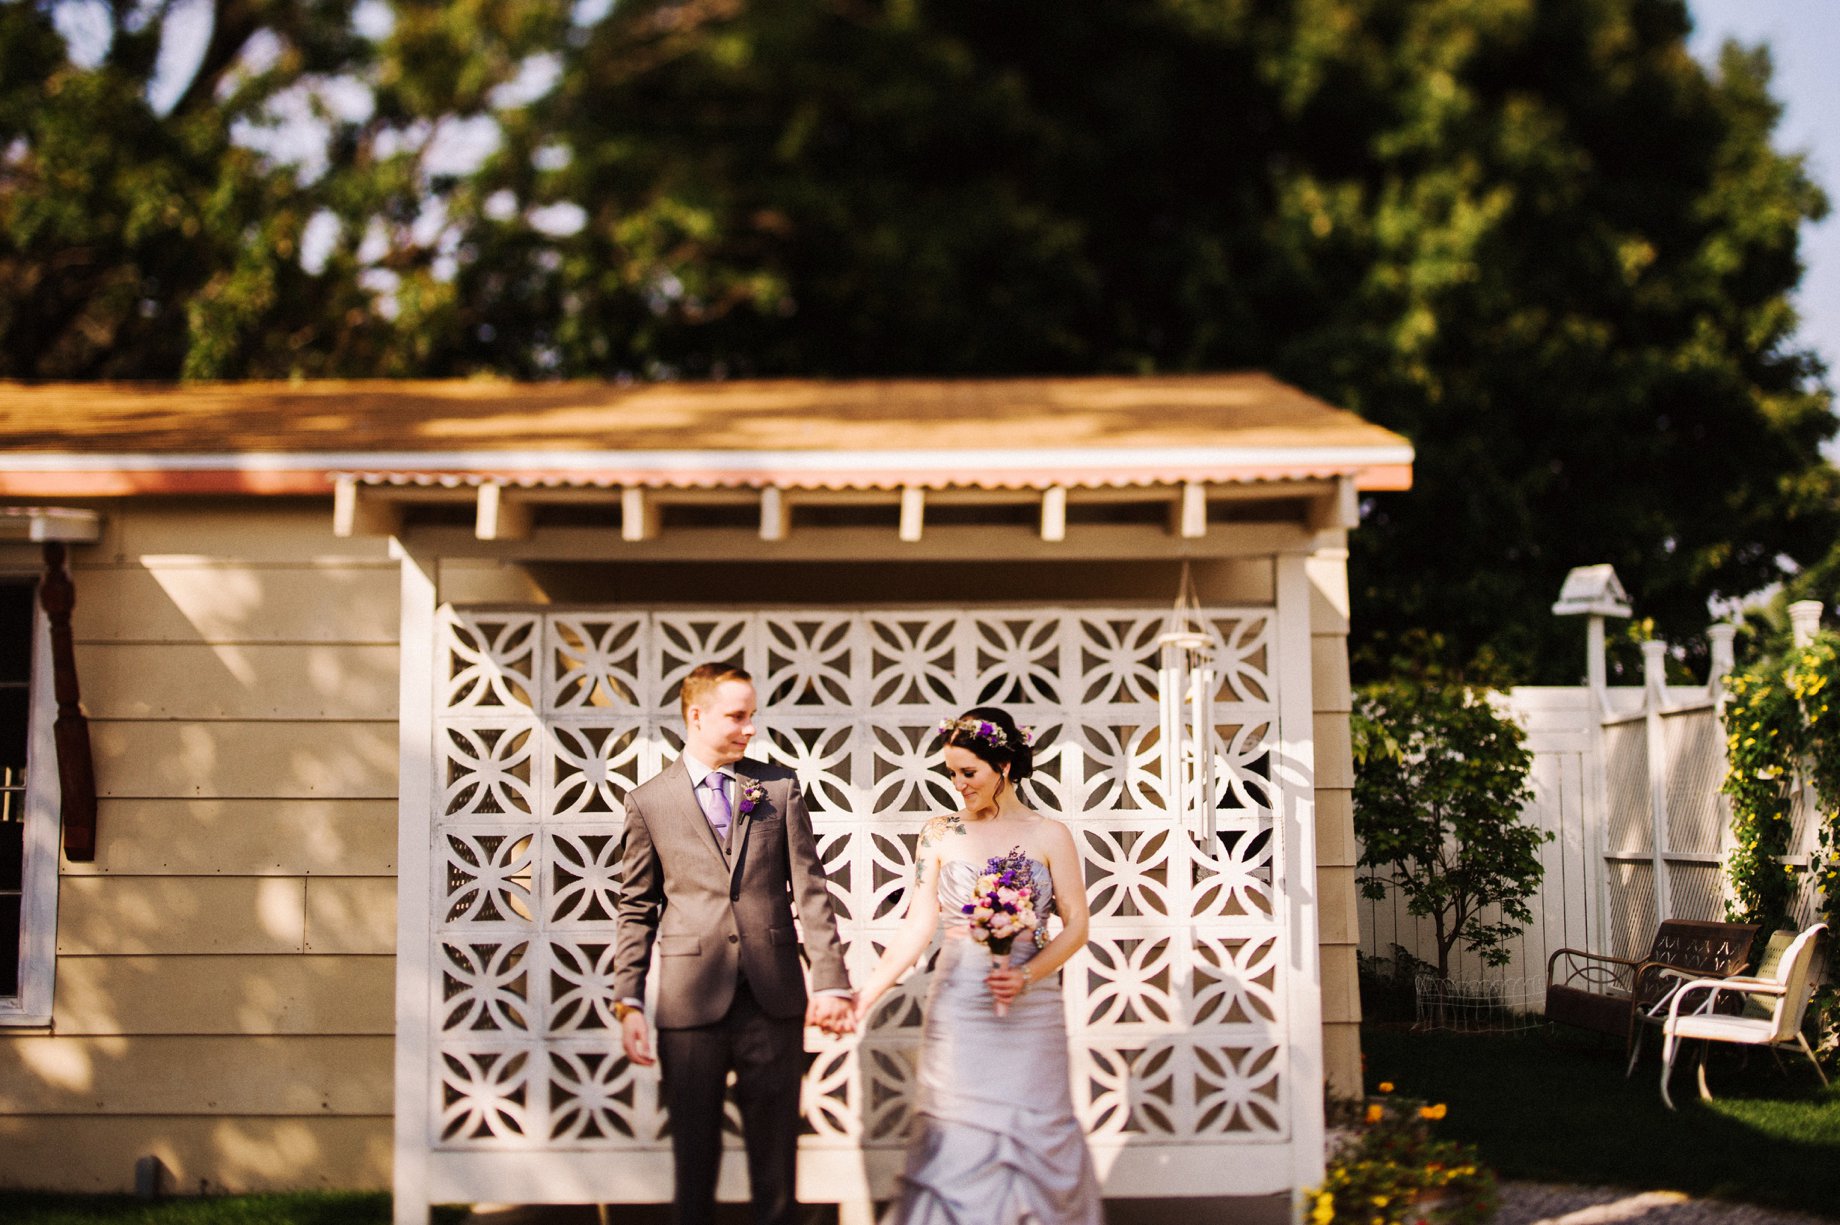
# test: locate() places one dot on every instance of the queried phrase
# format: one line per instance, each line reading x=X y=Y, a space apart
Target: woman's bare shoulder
x=939 y=828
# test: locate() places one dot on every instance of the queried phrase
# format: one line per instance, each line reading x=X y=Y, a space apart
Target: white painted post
x=1654 y=692
x=414 y=866
x=913 y=514
x=1804 y=624
x=638 y=514
x=1720 y=637
x=1595 y=593
x=775 y=514
x=1054 y=514
x=1804 y=621
x=1295 y=774
x=1596 y=675
x=1191 y=511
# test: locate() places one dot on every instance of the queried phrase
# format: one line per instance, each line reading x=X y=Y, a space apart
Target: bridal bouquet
x=1002 y=907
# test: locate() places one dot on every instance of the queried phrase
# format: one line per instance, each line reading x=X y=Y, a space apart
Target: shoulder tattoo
x=936 y=829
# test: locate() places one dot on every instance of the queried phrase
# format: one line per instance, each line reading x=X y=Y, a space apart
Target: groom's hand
x=635 y=1039
x=834 y=1014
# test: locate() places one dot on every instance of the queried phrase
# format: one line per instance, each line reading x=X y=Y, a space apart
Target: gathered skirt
x=995 y=1140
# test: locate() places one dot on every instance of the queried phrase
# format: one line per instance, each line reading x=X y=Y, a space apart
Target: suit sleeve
x=811 y=894
x=640 y=905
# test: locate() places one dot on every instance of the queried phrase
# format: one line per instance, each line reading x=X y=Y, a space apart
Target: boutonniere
x=751 y=795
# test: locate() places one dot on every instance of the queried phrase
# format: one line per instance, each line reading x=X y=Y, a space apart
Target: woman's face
x=976 y=780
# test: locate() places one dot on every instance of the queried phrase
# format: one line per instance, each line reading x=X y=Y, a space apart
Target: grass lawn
x=308 y=1208
x=1559 y=1110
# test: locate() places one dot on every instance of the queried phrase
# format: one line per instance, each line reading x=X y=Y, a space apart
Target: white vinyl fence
x=1627 y=780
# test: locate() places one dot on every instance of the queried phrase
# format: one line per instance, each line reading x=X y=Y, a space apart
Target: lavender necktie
x=715 y=803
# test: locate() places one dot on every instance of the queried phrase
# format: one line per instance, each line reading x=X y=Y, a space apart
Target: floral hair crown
x=983 y=729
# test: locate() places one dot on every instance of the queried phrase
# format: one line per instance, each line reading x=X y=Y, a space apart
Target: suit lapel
x=742 y=823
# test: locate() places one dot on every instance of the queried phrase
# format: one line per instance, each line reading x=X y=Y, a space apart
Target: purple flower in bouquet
x=1002 y=906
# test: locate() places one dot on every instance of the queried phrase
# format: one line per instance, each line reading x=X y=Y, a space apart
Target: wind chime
x=1185 y=701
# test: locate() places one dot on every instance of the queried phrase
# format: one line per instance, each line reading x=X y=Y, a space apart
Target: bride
x=995 y=1141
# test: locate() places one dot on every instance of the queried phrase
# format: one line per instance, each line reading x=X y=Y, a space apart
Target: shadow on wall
x=224 y=983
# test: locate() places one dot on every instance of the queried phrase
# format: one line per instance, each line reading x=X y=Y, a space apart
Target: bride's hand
x=865 y=1004
x=1006 y=984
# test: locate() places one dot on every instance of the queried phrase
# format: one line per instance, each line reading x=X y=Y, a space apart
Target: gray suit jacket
x=714 y=911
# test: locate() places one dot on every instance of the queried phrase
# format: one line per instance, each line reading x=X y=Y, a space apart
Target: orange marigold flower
x=1386 y=1086
x=1432 y=1112
x=1375 y=1112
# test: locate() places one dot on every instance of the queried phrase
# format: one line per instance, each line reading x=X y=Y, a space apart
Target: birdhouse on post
x=1593 y=592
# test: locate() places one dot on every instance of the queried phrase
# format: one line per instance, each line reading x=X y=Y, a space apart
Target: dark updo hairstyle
x=1014 y=751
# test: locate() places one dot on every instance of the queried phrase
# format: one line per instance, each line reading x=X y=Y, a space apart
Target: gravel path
x=1537 y=1203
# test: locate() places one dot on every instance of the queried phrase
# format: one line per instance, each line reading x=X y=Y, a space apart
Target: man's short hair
x=703 y=680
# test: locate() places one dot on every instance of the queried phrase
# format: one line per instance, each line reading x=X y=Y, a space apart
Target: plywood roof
x=293 y=437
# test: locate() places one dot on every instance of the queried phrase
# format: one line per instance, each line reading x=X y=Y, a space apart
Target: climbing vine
x=1782 y=721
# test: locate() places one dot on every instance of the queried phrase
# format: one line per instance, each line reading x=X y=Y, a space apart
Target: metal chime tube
x=1185 y=701
x=1169 y=705
x=1203 y=741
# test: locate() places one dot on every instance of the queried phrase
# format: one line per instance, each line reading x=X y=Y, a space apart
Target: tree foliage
x=155 y=212
x=1533 y=235
x=1440 y=784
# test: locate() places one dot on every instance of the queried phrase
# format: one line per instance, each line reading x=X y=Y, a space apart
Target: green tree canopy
x=1535 y=236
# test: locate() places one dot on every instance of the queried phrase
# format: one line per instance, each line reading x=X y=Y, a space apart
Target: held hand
x=834 y=1014
x=635 y=1039
x=865 y=1004
x=1006 y=984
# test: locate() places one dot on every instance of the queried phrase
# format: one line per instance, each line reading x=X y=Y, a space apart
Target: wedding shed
x=319 y=895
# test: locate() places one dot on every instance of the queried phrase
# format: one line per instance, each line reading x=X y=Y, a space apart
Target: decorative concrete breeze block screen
x=543 y=719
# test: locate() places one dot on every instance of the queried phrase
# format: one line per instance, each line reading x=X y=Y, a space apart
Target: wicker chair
x=1786 y=992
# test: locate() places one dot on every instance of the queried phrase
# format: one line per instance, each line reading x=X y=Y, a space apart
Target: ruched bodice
x=995 y=1140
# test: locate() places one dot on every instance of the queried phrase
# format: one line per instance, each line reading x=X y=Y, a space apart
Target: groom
x=718 y=858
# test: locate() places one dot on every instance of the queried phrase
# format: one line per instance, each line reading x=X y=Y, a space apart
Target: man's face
x=718 y=729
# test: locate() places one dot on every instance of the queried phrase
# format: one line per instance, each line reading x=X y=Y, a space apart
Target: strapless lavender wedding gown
x=995 y=1141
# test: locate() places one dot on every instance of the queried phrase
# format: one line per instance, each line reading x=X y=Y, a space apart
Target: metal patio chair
x=1786 y=994
x=1611 y=995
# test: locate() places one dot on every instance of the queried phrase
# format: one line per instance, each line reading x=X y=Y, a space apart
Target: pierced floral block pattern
x=581 y=996
x=490 y=877
x=581 y=877
x=491 y=660
x=810 y=663
x=913 y=661
x=596 y=663
x=489 y=769
x=487 y=1093
x=593 y=1093
x=1239 y=1089
x=547 y=718
x=486 y=986
x=592 y=767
